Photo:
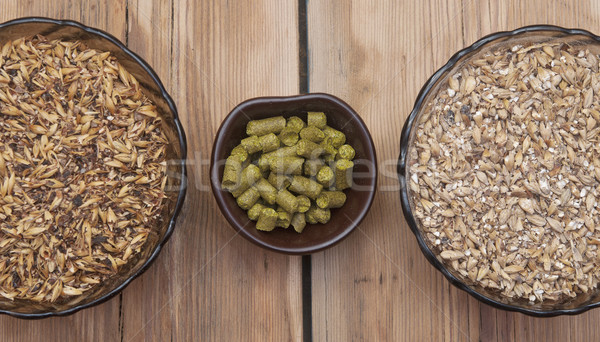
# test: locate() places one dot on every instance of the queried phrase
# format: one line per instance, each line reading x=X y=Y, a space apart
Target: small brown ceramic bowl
x=359 y=198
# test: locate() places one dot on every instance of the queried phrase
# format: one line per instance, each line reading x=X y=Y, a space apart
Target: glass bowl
x=526 y=35
x=176 y=154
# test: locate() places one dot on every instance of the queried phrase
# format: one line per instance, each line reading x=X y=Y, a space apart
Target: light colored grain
x=523 y=145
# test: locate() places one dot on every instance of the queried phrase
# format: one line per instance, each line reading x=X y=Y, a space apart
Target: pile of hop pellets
x=290 y=172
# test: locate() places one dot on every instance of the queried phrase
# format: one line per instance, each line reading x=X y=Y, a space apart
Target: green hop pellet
x=267 y=220
x=328 y=149
x=265 y=126
x=325 y=176
x=323 y=215
x=316 y=214
x=231 y=173
x=283 y=218
x=308 y=149
x=312 y=133
x=317 y=119
x=264 y=162
x=306 y=186
x=310 y=217
x=329 y=159
x=254 y=212
x=267 y=191
x=336 y=137
x=303 y=203
x=299 y=166
x=287 y=201
x=248 y=198
x=288 y=151
x=331 y=199
x=288 y=136
x=286 y=165
x=298 y=222
x=343 y=174
x=295 y=123
x=312 y=166
x=240 y=152
x=248 y=177
x=251 y=144
x=268 y=142
x=279 y=181
x=345 y=152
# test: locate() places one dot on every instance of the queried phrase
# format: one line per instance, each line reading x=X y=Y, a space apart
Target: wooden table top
x=210 y=284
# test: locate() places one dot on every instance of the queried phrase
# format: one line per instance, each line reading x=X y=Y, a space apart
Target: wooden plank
x=210 y=284
x=100 y=323
x=489 y=329
x=376 y=56
x=147 y=313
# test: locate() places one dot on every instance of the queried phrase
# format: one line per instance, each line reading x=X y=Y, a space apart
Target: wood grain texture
x=376 y=285
x=210 y=284
x=100 y=323
x=147 y=311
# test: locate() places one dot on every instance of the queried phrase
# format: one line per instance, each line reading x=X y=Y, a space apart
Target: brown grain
x=75 y=132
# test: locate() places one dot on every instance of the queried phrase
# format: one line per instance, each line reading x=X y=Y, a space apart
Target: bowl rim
x=182 y=141
x=402 y=161
x=219 y=194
